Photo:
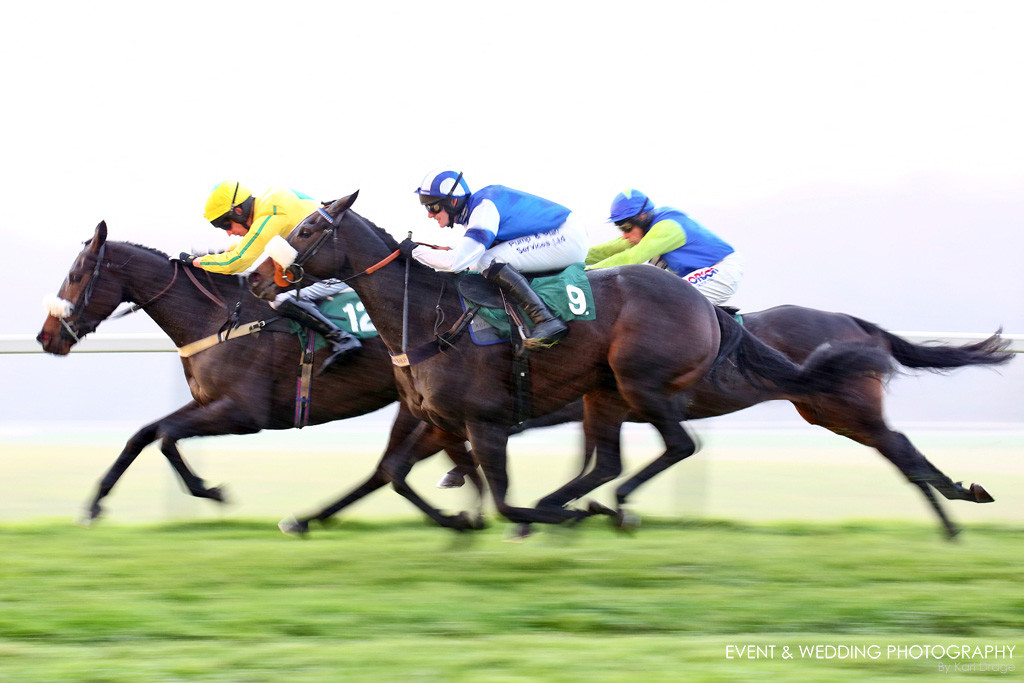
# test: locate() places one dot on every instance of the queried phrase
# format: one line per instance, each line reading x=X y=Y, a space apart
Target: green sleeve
x=663 y=237
x=600 y=252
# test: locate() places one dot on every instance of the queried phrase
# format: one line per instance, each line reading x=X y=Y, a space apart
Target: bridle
x=295 y=273
x=71 y=327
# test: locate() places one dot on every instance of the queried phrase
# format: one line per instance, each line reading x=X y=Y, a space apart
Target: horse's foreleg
x=411 y=441
x=603 y=414
x=193 y=482
x=683 y=446
x=132 y=448
x=223 y=416
x=466 y=464
x=490 y=443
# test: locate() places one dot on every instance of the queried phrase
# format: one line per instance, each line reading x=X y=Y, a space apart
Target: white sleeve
x=465 y=253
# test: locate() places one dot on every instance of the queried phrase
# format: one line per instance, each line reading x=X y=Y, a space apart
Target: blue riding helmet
x=442 y=184
x=628 y=204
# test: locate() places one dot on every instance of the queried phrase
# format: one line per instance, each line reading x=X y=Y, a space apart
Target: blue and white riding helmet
x=628 y=204
x=440 y=185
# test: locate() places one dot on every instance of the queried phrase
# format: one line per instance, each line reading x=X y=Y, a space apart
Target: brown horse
x=632 y=358
x=240 y=387
x=855 y=410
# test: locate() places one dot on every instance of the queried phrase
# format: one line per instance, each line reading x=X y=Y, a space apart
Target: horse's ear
x=99 y=237
x=345 y=203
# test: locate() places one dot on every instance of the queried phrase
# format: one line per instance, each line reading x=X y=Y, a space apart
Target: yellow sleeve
x=250 y=248
x=663 y=237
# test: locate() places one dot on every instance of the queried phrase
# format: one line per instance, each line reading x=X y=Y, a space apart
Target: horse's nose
x=43 y=338
x=254 y=278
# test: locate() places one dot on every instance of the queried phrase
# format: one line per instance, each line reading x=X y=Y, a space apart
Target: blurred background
x=865 y=158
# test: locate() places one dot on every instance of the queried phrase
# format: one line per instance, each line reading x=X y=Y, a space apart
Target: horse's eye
x=74 y=277
x=305 y=232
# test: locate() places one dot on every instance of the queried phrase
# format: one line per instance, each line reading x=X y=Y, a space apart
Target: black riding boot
x=547 y=329
x=306 y=314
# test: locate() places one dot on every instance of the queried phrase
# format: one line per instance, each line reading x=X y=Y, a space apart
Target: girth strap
x=440 y=343
x=219 y=338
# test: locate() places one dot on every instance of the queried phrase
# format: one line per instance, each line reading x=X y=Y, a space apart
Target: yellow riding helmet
x=224 y=198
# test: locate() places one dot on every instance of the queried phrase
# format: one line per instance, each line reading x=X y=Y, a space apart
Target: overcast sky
x=864 y=156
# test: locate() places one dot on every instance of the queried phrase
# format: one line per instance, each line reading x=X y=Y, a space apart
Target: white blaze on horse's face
x=282 y=253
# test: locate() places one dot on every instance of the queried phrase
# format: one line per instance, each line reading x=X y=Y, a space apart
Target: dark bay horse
x=654 y=337
x=854 y=410
x=239 y=387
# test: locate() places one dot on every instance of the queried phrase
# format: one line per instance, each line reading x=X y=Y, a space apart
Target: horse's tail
x=939 y=357
x=767 y=368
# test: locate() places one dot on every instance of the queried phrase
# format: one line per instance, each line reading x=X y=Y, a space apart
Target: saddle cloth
x=567 y=294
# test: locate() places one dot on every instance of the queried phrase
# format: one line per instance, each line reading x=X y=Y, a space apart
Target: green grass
x=364 y=600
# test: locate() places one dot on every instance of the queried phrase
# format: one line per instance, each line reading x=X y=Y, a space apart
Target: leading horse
x=242 y=386
x=632 y=358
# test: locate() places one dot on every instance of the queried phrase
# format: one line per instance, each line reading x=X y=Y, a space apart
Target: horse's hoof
x=85 y=521
x=596 y=508
x=290 y=526
x=626 y=520
x=980 y=494
x=460 y=522
x=520 y=533
x=451 y=480
x=478 y=522
x=216 y=493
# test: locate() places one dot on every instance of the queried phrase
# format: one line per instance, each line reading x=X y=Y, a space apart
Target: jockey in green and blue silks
x=508 y=232
x=670 y=239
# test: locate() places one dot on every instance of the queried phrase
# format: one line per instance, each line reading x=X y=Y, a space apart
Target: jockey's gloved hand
x=184 y=257
x=406 y=247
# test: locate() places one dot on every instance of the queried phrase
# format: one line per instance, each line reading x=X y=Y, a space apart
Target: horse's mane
x=384 y=235
x=392 y=244
x=152 y=250
x=234 y=280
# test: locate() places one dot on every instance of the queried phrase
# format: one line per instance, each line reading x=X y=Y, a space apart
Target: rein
x=294 y=274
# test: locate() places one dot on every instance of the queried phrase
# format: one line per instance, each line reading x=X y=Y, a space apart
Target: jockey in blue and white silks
x=508 y=232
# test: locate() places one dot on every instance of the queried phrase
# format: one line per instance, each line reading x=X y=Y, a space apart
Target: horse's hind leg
x=858 y=415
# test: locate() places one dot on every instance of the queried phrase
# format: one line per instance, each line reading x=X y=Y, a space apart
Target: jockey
x=508 y=232
x=669 y=239
x=233 y=208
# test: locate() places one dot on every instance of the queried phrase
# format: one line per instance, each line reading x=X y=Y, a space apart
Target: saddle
x=565 y=292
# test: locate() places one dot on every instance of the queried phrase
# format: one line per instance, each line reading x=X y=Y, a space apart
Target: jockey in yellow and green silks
x=232 y=207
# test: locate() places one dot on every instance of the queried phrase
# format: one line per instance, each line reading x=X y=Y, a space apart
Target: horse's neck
x=183 y=312
x=383 y=295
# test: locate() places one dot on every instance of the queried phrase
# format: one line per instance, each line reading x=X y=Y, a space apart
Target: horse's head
x=84 y=300
x=310 y=252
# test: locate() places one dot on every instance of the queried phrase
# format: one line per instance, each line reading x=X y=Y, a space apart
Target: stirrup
x=544 y=340
x=342 y=348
